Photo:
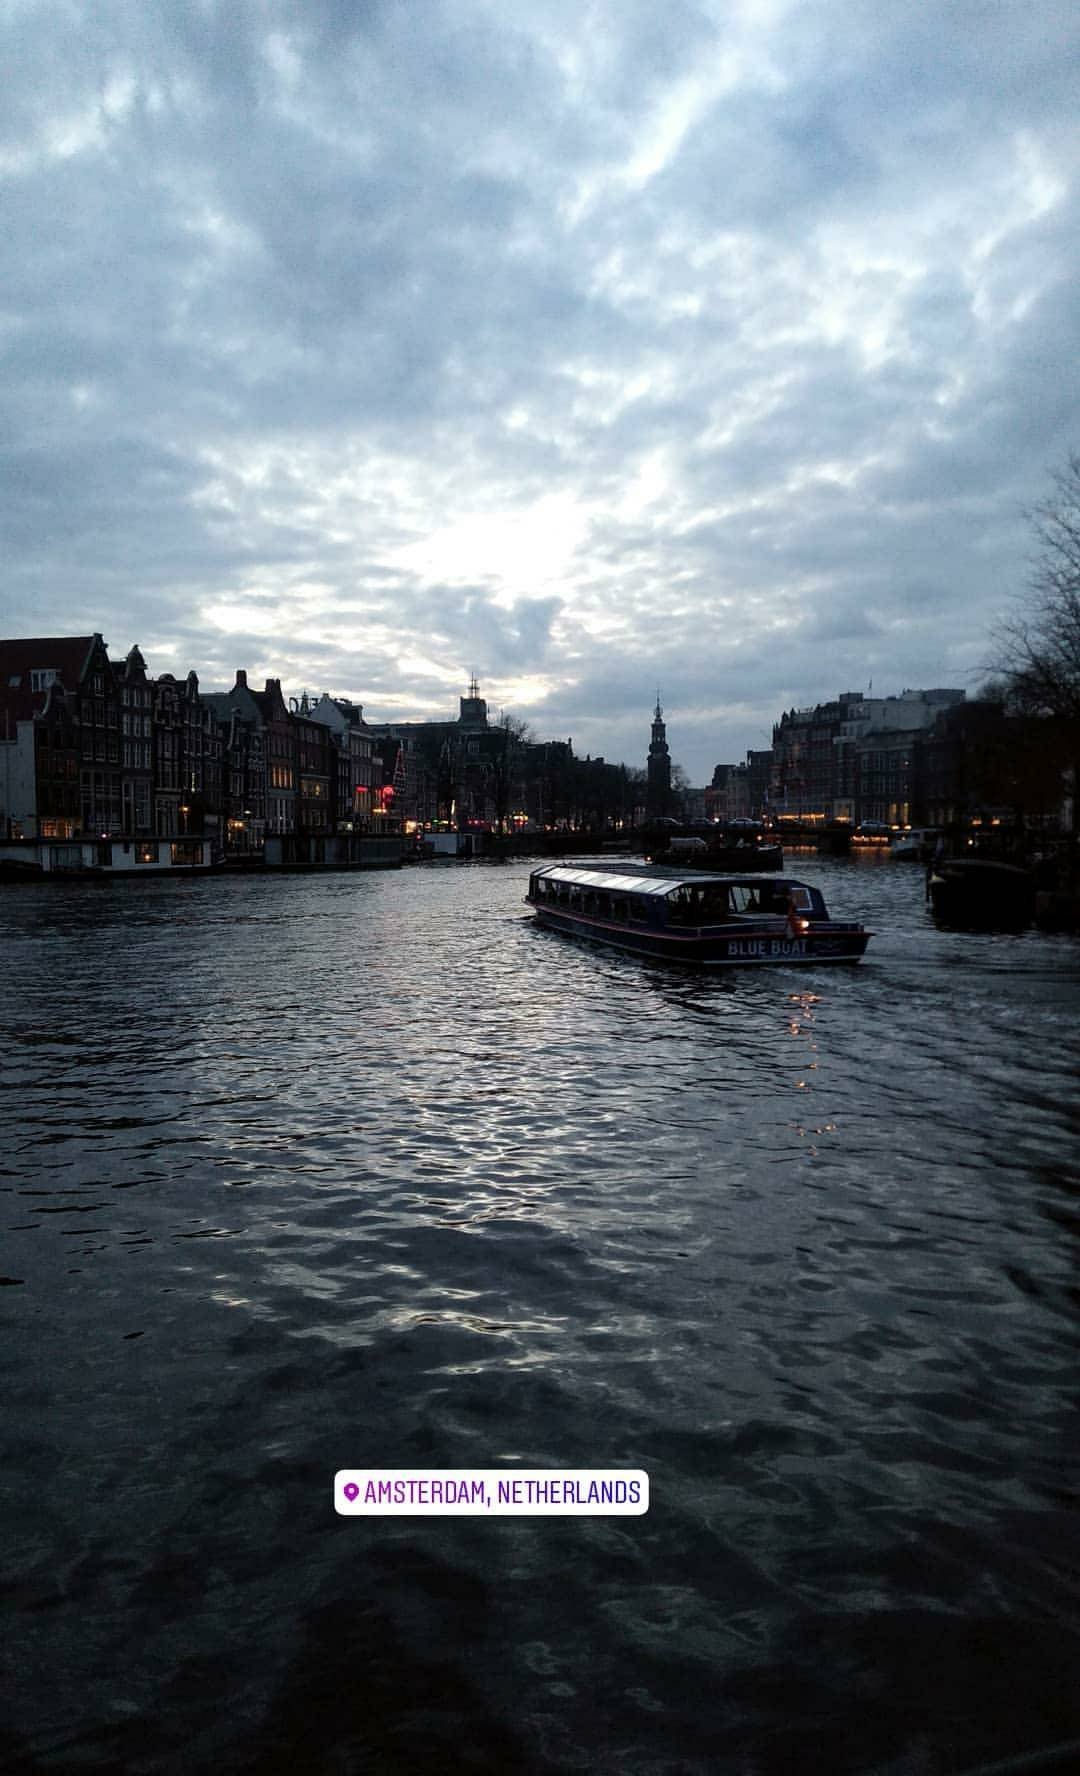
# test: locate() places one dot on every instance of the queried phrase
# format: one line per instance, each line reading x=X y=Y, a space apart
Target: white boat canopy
x=629 y=882
x=626 y=880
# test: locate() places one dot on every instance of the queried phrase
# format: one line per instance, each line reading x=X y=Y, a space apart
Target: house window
x=41 y=678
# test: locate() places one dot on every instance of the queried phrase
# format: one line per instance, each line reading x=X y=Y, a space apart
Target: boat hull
x=720 y=947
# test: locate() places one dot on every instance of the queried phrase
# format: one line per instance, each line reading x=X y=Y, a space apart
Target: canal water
x=367 y=1171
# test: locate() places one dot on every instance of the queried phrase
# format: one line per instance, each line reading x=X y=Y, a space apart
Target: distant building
x=740 y=792
x=758 y=778
x=354 y=757
x=856 y=758
x=459 y=773
x=692 y=802
x=41 y=765
x=726 y=797
x=281 y=761
x=62 y=772
x=316 y=768
x=92 y=749
x=184 y=739
x=243 y=766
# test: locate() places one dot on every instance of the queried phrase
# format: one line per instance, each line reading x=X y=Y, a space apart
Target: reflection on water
x=306 y=1174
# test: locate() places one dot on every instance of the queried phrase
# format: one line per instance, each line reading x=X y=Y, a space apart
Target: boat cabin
x=654 y=897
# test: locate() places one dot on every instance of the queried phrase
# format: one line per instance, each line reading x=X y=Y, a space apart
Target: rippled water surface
x=304 y=1174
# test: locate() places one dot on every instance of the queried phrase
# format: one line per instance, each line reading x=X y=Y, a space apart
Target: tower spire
x=658 y=790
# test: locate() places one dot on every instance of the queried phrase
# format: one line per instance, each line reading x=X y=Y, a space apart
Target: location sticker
x=508 y=1491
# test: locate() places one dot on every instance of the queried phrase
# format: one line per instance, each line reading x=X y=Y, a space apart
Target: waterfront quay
x=363 y=1171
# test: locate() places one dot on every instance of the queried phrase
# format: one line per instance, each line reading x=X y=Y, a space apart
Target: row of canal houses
x=99 y=749
x=923 y=758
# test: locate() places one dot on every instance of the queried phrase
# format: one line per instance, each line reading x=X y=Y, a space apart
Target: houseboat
x=105 y=859
x=716 y=920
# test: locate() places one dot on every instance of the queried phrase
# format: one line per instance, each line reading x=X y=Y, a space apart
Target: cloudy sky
x=595 y=346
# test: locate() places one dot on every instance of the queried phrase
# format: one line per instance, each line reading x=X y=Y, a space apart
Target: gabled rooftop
x=31 y=664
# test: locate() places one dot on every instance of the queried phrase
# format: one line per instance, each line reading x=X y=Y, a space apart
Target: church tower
x=473 y=708
x=658 y=791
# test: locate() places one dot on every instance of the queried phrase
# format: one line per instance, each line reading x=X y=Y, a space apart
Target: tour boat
x=717 y=920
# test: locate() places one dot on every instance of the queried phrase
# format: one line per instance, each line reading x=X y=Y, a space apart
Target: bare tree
x=517 y=731
x=1037 y=652
x=506 y=764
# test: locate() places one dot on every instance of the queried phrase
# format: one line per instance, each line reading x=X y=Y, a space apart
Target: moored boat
x=915 y=845
x=691 y=916
x=738 y=858
x=981 y=891
x=731 y=849
x=106 y=859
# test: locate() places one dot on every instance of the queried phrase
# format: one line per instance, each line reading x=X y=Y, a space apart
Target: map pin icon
x=352 y=1491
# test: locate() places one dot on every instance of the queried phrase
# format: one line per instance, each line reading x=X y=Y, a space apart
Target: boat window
x=714 y=902
x=620 y=909
x=746 y=899
x=688 y=905
x=773 y=899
